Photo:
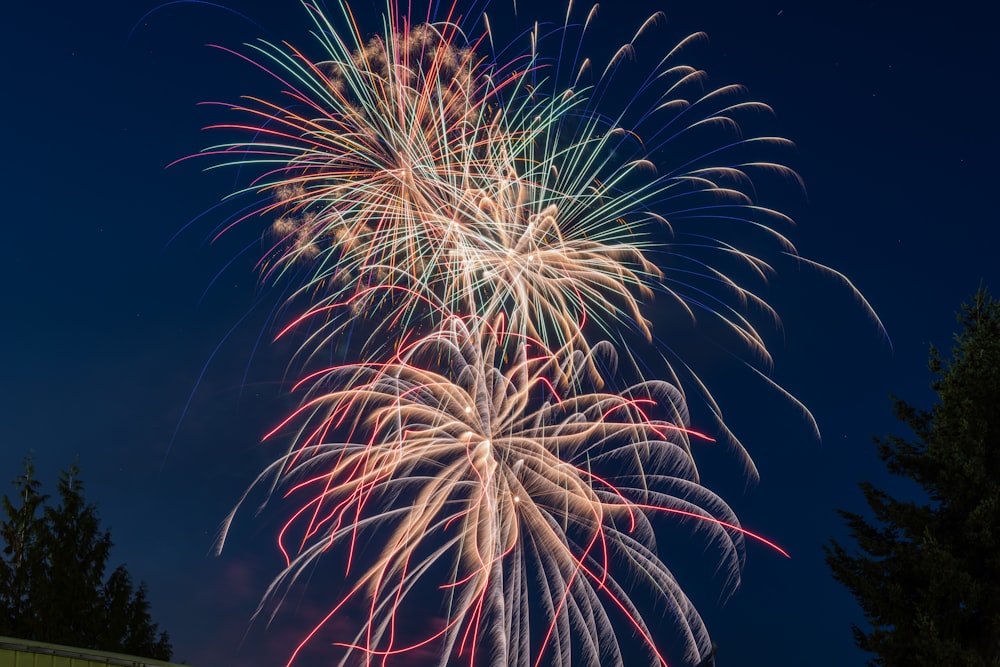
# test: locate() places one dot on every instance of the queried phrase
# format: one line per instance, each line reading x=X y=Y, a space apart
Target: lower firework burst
x=528 y=504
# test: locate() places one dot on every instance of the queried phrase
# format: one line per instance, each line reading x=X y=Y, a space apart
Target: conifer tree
x=22 y=560
x=52 y=576
x=928 y=572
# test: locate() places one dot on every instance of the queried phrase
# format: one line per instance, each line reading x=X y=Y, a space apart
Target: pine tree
x=928 y=575
x=77 y=554
x=22 y=561
x=53 y=587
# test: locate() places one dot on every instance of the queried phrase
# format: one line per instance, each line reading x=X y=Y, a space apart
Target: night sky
x=133 y=345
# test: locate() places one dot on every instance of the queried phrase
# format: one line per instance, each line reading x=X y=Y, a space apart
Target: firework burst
x=495 y=226
x=541 y=498
x=408 y=170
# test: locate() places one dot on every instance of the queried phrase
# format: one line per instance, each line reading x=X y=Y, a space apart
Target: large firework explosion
x=541 y=496
x=495 y=225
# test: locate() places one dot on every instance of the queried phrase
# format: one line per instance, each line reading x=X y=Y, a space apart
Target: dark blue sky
x=109 y=318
